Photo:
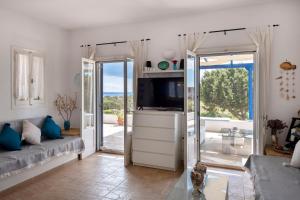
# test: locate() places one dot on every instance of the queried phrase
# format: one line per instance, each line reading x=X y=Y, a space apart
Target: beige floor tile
x=103 y=176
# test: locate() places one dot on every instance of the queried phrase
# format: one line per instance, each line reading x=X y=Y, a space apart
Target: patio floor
x=218 y=150
x=214 y=149
x=113 y=137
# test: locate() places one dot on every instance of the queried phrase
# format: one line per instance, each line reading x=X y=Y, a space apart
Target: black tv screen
x=161 y=93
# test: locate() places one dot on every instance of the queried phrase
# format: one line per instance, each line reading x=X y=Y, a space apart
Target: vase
x=174 y=66
x=274 y=140
x=67 y=125
x=181 y=64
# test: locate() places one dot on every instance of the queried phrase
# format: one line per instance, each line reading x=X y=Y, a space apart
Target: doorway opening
x=115 y=99
x=226 y=108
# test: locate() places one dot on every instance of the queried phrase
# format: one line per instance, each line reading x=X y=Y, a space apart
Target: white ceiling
x=74 y=14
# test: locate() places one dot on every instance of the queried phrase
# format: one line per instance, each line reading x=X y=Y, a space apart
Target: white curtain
x=89 y=52
x=21 y=76
x=92 y=52
x=262 y=38
x=138 y=53
x=190 y=42
x=37 y=78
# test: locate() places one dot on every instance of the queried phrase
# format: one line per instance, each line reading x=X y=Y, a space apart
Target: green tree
x=112 y=104
x=225 y=90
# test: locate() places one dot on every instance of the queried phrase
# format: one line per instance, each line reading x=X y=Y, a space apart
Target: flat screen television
x=161 y=93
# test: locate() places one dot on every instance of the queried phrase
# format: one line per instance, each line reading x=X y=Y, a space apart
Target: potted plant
x=276 y=126
x=120 y=116
x=65 y=106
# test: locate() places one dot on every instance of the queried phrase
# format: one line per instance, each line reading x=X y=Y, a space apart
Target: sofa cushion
x=50 y=129
x=9 y=138
x=31 y=133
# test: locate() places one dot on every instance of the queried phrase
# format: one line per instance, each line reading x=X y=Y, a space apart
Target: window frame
x=30 y=102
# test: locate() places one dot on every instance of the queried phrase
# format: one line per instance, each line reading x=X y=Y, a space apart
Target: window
x=27 y=77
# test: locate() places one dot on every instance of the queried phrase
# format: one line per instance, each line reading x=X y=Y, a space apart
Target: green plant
x=276 y=125
x=109 y=111
x=225 y=91
x=120 y=114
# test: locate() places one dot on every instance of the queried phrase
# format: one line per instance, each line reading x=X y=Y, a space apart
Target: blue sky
x=113 y=77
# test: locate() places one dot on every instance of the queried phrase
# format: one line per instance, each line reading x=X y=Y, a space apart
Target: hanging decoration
x=287 y=80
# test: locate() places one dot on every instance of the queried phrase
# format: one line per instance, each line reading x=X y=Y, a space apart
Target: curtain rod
x=113 y=43
x=226 y=30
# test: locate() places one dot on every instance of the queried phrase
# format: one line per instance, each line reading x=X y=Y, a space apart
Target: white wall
x=18 y=30
x=163 y=36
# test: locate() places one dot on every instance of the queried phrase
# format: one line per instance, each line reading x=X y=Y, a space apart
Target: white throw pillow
x=31 y=133
x=295 y=162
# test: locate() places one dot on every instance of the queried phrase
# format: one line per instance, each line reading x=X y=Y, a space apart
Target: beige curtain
x=262 y=38
x=21 y=76
x=37 y=77
x=192 y=42
x=89 y=52
x=138 y=53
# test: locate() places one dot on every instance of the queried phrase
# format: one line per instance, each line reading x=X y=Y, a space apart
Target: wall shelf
x=164 y=71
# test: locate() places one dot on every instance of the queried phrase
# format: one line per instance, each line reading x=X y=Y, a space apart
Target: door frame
x=255 y=141
x=99 y=99
x=196 y=108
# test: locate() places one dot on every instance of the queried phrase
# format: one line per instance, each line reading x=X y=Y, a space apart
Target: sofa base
x=29 y=173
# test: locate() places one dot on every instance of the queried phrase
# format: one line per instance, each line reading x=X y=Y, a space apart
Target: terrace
x=226 y=141
x=217 y=147
x=113 y=133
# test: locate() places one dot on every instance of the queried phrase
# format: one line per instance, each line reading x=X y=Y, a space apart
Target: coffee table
x=216 y=188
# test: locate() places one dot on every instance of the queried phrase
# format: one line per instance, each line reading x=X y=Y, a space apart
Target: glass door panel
x=88 y=94
x=226 y=108
x=191 y=136
x=88 y=105
x=113 y=98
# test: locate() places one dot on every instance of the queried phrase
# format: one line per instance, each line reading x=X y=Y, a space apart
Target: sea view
x=115 y=94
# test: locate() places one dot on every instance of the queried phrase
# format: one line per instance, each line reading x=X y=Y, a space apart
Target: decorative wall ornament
x=287 y=80
x=163 y=65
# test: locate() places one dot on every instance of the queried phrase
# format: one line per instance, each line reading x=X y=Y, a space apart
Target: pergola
x=249 y=68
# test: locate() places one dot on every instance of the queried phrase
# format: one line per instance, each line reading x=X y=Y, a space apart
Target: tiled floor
x=103 y=176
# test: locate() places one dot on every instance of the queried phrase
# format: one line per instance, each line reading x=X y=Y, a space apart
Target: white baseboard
x=13 y=180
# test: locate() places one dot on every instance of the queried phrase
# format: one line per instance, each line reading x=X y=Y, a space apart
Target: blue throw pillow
x=10 y=139
x=50 y=129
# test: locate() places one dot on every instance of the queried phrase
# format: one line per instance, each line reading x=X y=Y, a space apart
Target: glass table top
x=215 y=189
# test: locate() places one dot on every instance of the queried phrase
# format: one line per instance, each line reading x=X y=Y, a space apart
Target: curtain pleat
x=21 y=74
x=37 y=78
x=191 y=42
x=262 y=38
x=138 y=52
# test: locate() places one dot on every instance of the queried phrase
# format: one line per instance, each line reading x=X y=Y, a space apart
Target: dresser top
x=156 y=112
